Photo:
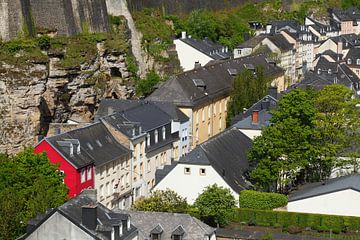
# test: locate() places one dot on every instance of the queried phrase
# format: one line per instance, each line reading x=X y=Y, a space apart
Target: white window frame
x=187 y=170
x=156 y=135
x=89 y=172
x=209 y=112
x=83 y=175
x=163 y=133
x=203 y=115
x=148 y=140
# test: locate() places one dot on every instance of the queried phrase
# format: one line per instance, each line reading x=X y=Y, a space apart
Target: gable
x=58 y=227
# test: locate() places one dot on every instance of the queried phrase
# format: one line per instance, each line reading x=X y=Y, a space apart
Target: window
x=197 y=135
x=209 y=129
x=141 y=169
x=127 y=179
x=107 y=170
x=155 y=236
x=220 y=123
x=358 y=61
x=209 y=111
x=89 y=173
x=203 y=115
x=349 y=61
x=148 y=166
x=83 y=175
x=214 y=110
x=163 y=133
x=220 y=106
x=148 y=139
x=101 y=191
x=113 y=186
x=225 y=105
x=156 y=134
x=135 y=172
x=187 y=170
x=197 y=117
x=122 y=180
x=239 y=51
x=102 y=172
x=176 y=237
x=108 y=191
x=202 y=171
x=157 y=164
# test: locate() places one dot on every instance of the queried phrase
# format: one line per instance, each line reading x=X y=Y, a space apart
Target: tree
x=309 y=132
x=215 y=205
x=248 y=87
x=162 y=201
x=145 y=86
x=29 y=185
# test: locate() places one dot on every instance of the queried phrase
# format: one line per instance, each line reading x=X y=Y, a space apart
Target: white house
x=221 y=160
x=192 y=52
x=337 y=196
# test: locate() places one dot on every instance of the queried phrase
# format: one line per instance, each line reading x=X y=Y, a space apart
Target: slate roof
x=335 y=57
x=247 y=123
x=227 y=154
x=354 y=55
x=182 y=91
x=146 y=222
x=348 y=40
x=72 y=210
x=350 y=14
x=281 y=42
x=120 y=105
x=329 y=186
x=206 y=46
x=97 y=146
x=278 y=25
x=252 y=42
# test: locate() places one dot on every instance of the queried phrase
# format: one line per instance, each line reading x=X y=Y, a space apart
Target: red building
x=78 y=152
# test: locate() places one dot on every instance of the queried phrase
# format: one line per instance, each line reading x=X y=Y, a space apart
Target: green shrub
x=44 y=42
x=261 y=200
x=293 y=222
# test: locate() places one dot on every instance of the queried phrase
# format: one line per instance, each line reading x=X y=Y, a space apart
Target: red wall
x=72 y=177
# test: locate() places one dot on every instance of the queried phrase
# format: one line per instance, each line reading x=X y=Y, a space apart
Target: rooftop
x=206 y=46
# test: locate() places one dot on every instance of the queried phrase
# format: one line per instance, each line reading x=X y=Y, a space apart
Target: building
x=153 y=136
x=352 y=60
x=194 y=53
x=160 y=225
x=248 y=47
x=337 y=196
x=321 y=30
x=203 y=94
x=220 y=160
x=81 y=218
x=348 y=20
x=90 y=157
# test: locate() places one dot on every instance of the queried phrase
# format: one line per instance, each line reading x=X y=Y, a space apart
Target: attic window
x=98 y=143
x=202 y=171
x=358 y=61
x=178 y=233
x=187 y=171
x=156 y=232
x=249 y=66
x=199 y=83
x=89 y=146
x=329 y=71
x=232 y=71
x=349 y=61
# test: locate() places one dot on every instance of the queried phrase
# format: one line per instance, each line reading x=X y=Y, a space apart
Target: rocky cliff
x=39 y=91
x=65 y=17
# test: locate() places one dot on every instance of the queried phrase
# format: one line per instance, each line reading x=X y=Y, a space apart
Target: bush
x=44 y=42
x=293 y=222
x=261 y=200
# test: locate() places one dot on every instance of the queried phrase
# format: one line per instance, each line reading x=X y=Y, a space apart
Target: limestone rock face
x=34 y=94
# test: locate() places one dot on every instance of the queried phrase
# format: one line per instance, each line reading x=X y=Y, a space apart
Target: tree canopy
x=215 y=205
x=162 y=201
x=29 y=185
x=309 y=132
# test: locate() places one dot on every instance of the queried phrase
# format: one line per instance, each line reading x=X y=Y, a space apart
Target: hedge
x=285 y=219
x=261 y=200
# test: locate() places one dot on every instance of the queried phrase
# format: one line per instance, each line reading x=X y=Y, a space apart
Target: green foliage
x=29 y=185
x=162 y=201
x=261 y=200
x=44 y=42
x=246 y=90
x=145 y=86
x=309 y=131
x=115 y=20
x=215 y=205
x=99 y=82
x=295 y=222
x=131 y=65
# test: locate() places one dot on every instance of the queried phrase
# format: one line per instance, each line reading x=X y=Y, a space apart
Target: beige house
x=203 y=94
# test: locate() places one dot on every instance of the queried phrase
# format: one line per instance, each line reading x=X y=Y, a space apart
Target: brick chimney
x=255 y=117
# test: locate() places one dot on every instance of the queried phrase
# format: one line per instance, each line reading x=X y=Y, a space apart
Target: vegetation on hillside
x=29 y=185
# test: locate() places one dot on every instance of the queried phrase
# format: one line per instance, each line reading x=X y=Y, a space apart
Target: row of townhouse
x=119 y=153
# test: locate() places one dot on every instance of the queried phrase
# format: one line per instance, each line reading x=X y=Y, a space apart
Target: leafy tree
x=309 y=131
x=248 y=87
x=215 y=205
x=146 y=86
x=162 y=201
x=29 y=185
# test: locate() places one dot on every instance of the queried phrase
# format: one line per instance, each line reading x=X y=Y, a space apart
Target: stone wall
x=68 y=17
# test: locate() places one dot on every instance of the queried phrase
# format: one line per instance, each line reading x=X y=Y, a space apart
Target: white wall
x=242 y=52
x=250 y=133
x=189 y=55
x=58 y=227
x=344 y=202
x=191 y=185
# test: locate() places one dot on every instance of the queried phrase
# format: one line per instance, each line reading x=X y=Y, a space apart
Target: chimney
x=273 y=92
x=197 y=65
x=89 y=216
x=255 y=117
x=183 y=35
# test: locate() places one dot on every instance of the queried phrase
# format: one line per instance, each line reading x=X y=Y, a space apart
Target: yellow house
x=203 y=93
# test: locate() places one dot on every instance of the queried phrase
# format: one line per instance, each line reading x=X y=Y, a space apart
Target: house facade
x=221 y=160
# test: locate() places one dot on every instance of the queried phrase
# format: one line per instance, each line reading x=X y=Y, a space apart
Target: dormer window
x=155 y=234
x=358 y=61
x=178 y=233
x=329 y=71
x=148 y=140
x=349 y=61
x=163 y=133
x=319 y=71
x=156 y=134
